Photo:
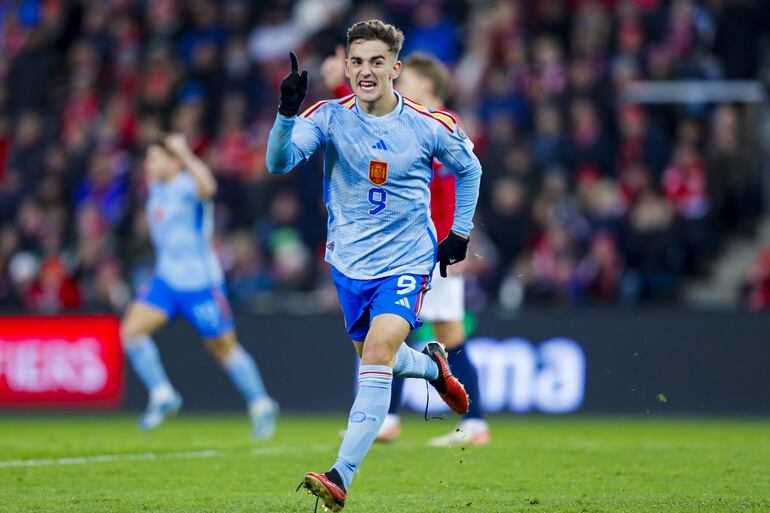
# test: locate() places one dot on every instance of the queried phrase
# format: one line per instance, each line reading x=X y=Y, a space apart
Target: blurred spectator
x=506 y=220
x=602 y=205
x=25 y=155
x=550 y=144
x=281 y=235
x=554 y=203
x=591 y=145
x=600 y=272
x=755 y=293
x=655 y=257
x=432 y=32
x=247 y=273
x=685 y=185
x=734 y=182
x=104 y=187
x=32 y=72
x=10 y=244
x=108 y=292
x=23 y=269
x=5 y=143
x=54 y=290
x=550 y=274
x=640 y=143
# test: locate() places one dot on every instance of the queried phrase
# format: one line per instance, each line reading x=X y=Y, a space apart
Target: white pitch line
x=107 y=458
x=291 y=448
x=149 y=456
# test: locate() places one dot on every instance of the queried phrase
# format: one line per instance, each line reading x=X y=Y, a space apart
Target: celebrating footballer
x=379 y=149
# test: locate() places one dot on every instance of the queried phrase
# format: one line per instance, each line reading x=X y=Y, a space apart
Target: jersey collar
x=395 y=112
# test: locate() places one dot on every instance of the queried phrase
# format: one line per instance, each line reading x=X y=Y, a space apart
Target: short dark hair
x=376 y=30
x=431 y=68
x=158 y=140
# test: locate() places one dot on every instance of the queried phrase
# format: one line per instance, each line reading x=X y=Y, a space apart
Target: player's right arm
x=203 y=178
x=292 y=140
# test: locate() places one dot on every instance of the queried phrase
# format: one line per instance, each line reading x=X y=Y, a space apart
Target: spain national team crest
x=378 y=172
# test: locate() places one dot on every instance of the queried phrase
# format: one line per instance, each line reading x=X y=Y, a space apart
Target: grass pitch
x=534 y=465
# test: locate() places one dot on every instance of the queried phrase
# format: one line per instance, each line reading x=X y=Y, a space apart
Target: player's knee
x=129 y=333
x=375 y=353
x=452 y=341
x=450 y=334
x=221 y=348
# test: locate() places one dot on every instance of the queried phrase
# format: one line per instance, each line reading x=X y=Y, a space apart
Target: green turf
x=533 y=465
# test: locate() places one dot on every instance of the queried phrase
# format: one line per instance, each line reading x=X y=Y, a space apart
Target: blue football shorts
x=363 y=300
x=206 y=309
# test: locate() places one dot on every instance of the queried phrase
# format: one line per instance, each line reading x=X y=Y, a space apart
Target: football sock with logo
x=464 y=370
x=414 y=364
x=396 y=391
x=145 y=359
x=366 y=417
x=244 y=374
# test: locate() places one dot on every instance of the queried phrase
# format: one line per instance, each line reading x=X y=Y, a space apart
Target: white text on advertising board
x=518 y=376
x=33 y=366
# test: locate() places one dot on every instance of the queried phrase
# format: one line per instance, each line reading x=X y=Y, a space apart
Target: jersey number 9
x=377 y=197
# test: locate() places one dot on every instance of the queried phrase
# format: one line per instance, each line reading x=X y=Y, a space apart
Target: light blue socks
x=414 y=364
x=145 y=359
x=366 y=418
x=239 y=365
x=243 y=372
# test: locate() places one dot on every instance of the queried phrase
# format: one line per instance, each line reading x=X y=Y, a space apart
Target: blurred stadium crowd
x=585 y=198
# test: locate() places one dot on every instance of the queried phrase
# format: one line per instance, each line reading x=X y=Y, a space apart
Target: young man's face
x=158 y=164
x=415 y=86
x=371 y=68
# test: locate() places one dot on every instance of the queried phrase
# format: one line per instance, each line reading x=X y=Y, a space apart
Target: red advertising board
x=72 y=361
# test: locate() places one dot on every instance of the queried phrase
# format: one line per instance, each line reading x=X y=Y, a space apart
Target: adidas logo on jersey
x=404 y=302
x=380 y=145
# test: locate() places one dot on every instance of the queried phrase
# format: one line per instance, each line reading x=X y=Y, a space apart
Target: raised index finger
x=294 y=62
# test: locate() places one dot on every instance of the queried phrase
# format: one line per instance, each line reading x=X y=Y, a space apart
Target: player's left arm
x=455 y=151
x=205 y=183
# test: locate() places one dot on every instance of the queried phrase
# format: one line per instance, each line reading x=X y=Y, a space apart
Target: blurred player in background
x=378 y=149
x=188 y=280
x=425 y=80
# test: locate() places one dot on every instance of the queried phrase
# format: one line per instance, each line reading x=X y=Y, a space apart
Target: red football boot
x=449 y=387
x=328 y=487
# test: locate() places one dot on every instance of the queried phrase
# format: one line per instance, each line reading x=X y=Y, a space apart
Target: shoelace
x=443 y=416
x=317 y=498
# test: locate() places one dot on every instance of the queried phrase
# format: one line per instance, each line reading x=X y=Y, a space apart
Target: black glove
x=293 y=89
x=451 y=250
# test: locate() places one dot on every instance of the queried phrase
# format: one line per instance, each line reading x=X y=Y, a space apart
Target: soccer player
x=188 y=280
x=425 y=80
x=378 y=149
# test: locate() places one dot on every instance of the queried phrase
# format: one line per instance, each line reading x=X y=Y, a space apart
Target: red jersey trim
x=346 y=99
x=448 y=121
x=314 y=108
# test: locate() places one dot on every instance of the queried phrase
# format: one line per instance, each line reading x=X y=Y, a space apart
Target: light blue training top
x=377 y=172
x=182 y=225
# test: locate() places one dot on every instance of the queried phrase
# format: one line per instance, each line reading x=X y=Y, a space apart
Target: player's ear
x=396 y=71
x=347 y=67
